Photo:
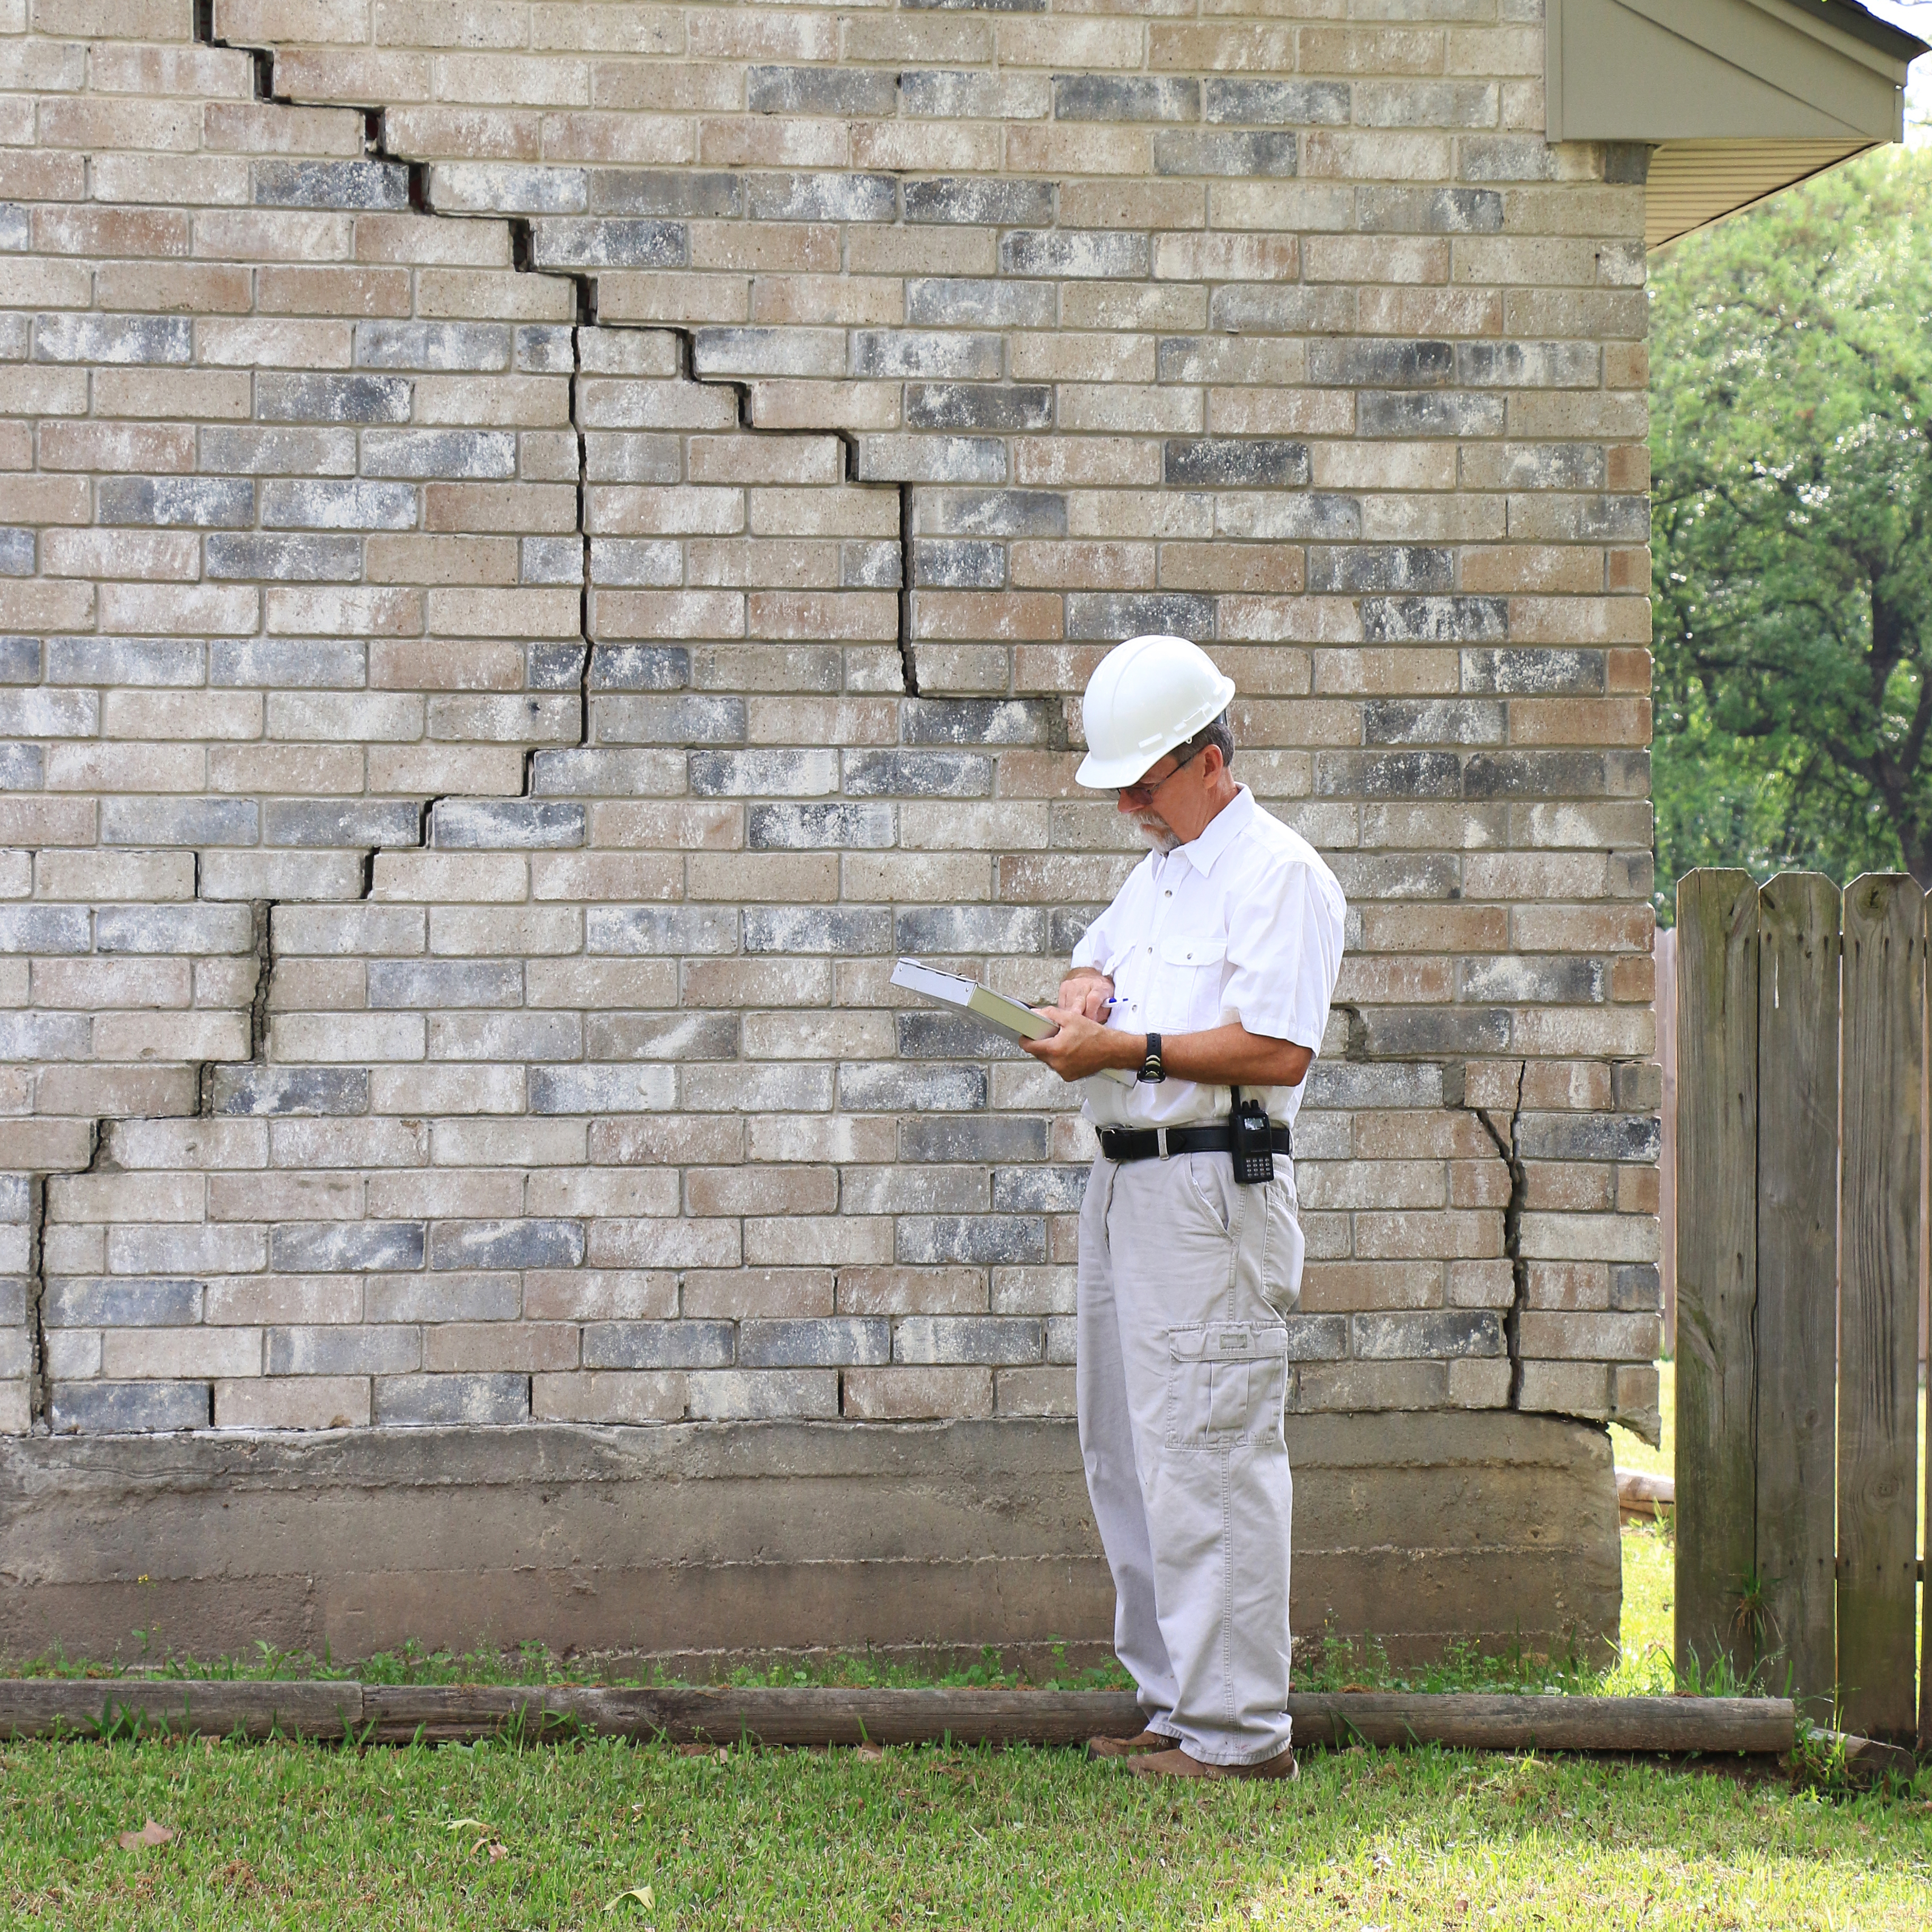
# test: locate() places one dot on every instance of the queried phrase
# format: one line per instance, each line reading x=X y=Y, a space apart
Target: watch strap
x=1151 y=1069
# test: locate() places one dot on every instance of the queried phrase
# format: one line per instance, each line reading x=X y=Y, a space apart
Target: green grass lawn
x=604 y=1834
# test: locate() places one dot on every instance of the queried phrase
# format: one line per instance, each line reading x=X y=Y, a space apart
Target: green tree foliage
x=1791 y=451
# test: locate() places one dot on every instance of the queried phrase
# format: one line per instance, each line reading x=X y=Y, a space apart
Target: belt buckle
x=1160 y=1141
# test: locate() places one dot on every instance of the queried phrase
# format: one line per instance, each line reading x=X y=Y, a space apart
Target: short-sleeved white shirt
x=1244 y=923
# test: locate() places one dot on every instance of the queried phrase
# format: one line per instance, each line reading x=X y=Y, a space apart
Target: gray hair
x=1218 y=734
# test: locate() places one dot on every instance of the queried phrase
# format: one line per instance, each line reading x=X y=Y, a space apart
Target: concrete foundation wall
x=724 y=1539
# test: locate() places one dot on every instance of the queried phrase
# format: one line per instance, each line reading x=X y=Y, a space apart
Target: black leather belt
x=1153 y=1143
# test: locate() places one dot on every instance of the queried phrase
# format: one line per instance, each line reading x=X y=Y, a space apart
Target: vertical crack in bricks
x=1509 y=1150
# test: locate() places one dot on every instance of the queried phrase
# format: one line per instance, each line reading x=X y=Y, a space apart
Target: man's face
x=1170 y=779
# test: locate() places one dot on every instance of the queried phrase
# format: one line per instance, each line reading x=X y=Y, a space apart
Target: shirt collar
x=1219 y=832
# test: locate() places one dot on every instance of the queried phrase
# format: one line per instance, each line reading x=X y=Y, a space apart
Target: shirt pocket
x=1193 y=968
x=1227 y=1383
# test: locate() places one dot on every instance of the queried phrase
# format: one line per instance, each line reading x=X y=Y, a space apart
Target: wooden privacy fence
x=1801 y=1082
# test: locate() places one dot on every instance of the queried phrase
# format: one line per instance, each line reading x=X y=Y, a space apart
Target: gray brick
x=669 y=721
x=868 y=566
x=19 y=660
x=1539 y=982
x=1194 y=151
x=83 y=337
x=1534 y=775
x=1397 y=1033
x=528 y=1243
x=125 y=661
x=966 y=563
x=121 y=1302
x=1425 y=104
x=50 y=714
x=452 y=1297
x=1222 y=463
x=15 y=1198
x=1040 y=1190
x=22 y=768
x=174 y=503
x=660 y=929
x=460 y=454
x=887 y=1087
x=1067 y=925
x=845 y=1342
x=607 y=241
x=1534 y=365
x=977 y=1240
x=1429 y=211
x=958 y=354
x=1437 y=1334
x=657 y=1344
x=768 y=352
x=943 y=1036
x=996 y=1338
x=426 y=1402
x=1533 y=670
x=1106 y=97
x=1277 y=104
x=128 y=1408
x=48 y=928
x=554 y=667
x=856 y=91
x=992 y=513
x=332 y=399
x=924 y=1190
x=980 y=201
x=1074 y=253
x=1114 y=614
x=1553 y=466
x=441 y=345
x=1398 y=875
x=970 y=928
x=979 y=304
x=17 y=553
x=931 y=459
x=179 y=821
x=1435 y=620
x=545 y=348
x=641 y=668
x=15 y=228
x=954 y=94
x=976 y=720
x=847 y=930
x=1432 y=721
x=800 y=828
x=247 y=450
x=977 y=6
x=763 y=774
x=550 y=559
x=665 y=192
x=1274 y=308
x=1393 y=775
x=46 y=1036
x=506 y=824
x=982 y=406
x=445 y=984
x=993 y=1137
x=499 y=187
x=1317 y=1338
x=822 y=197
x=1411 y=568
x=1635 y=1287
x=1340 y=1085
x=343 y=1247
x=581 y=774
x=1289 y=518
x=600 y=1089
x=654 y=1036
x=301 y=1091
x=383 y=185
x=1445 y=413
x=284 y=559
x=642 y=561
x=741 y=1088
x=917 y=775
x=1382 y=364
x=342 y=823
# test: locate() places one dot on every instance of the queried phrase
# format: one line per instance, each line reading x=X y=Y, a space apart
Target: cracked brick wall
x=544 y=543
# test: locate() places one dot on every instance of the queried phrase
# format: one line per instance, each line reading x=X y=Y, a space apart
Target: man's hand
x=1081 y=1047
x=1086 y=992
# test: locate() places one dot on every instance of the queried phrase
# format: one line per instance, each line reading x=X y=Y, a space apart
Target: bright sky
x=1915 y=17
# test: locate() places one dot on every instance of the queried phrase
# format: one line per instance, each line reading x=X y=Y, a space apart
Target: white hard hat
x=1145 y=696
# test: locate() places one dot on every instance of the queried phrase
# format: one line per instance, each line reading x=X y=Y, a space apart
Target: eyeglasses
x=1143 y=793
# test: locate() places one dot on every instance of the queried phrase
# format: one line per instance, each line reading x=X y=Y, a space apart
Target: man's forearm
x=1222 y=1056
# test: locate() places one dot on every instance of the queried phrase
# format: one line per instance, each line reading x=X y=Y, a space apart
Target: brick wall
x=544 y=543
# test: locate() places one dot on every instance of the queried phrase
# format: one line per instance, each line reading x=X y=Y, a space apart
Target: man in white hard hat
x=1209 y=977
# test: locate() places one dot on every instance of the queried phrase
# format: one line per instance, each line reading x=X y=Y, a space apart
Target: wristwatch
x=1151 y=1069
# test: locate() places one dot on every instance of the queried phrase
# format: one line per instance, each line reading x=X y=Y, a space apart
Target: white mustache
x=1155 y=830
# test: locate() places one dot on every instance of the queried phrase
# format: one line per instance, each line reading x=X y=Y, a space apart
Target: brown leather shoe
x=1177 y=1763
x=1134 y=1747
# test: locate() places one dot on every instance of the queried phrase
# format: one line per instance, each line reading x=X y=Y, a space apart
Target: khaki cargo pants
x=1183 y=1281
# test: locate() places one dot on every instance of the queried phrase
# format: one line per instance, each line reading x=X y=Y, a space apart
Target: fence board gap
x=1878 y=1317
x=1796 y=1305
x=1717 y=1257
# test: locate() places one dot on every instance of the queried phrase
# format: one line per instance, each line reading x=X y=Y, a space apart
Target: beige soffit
x=1738 y=97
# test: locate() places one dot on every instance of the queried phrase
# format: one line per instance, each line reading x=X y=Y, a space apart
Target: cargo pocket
x=1226 y=1383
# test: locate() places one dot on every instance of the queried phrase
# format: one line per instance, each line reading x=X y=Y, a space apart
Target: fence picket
x=1717 y=1256
x=1878 y=1318
x=1797 y=1274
